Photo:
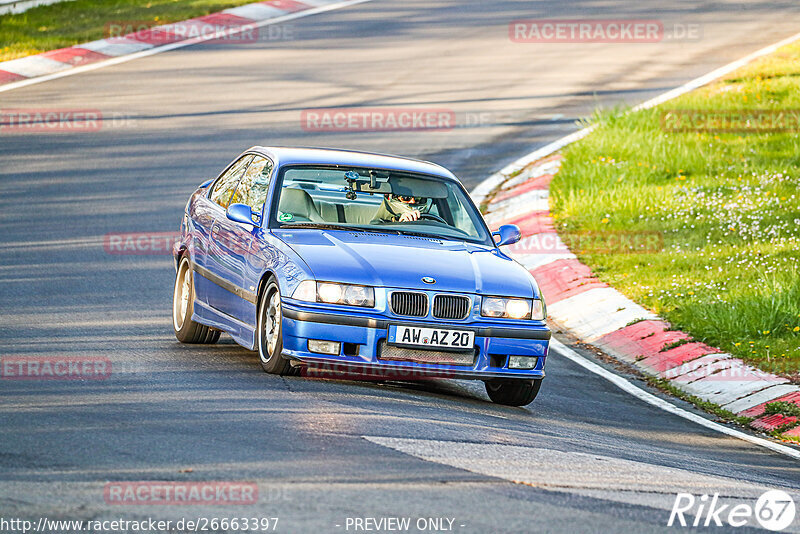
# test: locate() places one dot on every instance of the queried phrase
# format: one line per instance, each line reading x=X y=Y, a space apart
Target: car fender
x=271 y=257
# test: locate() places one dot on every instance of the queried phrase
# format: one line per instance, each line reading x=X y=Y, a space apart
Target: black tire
x=186 y=330
x=269 y=337
x=513 y=392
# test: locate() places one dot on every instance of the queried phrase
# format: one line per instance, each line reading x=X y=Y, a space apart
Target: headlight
x=334 y=293
x=359 y=296
x=307 y=291
x=518 y=309
x=330 y=293
x=539 y=311
x=493 y=307
x=511 y=308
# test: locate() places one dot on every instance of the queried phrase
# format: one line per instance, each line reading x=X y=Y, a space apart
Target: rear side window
x=226 y=184
x=254 y=185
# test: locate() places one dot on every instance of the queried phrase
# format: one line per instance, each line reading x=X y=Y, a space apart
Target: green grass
x=784 y=408
x=68 y=23
x=726 y=204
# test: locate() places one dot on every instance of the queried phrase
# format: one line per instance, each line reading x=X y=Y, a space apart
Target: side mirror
x=508 y=234
x=240 y=213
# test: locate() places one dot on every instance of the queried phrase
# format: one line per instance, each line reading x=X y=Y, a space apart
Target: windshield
x=376 y=200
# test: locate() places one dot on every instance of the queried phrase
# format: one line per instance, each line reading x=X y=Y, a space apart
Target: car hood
x=401 y=261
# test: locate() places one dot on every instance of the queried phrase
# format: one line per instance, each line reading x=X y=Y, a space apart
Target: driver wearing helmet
x=400 y=208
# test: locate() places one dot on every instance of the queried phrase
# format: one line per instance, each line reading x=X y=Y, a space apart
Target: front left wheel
x=270 y=332
x=513 y=392
x=186 y=330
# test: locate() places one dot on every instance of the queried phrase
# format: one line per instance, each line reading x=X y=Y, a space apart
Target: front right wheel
x=513 y=392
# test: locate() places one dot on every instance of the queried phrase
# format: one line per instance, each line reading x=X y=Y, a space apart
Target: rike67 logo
x=774 y=510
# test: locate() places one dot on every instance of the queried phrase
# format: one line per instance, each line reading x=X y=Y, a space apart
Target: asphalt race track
x=584 y=457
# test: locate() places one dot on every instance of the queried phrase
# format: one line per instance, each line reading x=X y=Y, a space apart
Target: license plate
x=431 y=337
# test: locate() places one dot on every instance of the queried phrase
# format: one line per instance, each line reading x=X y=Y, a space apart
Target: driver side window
x=254 y=185
x=226 y=184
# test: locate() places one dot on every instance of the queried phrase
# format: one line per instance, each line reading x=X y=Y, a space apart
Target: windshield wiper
x=374 y=230
x=316 y=226
x=422 y=234
x=323 y=226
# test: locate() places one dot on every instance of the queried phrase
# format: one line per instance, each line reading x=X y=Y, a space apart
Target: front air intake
x=451 y=306
x=409 y=304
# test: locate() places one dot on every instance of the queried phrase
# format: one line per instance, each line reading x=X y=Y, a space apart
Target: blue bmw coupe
x=357 y=262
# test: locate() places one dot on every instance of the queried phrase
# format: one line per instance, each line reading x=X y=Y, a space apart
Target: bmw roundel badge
x=428 y=280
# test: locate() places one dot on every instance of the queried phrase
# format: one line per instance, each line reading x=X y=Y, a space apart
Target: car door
x=206 y=287
x=233 y=242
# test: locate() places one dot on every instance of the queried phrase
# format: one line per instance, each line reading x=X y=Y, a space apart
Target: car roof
x=349 y=158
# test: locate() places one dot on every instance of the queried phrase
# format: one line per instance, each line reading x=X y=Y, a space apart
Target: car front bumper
x=363 y=337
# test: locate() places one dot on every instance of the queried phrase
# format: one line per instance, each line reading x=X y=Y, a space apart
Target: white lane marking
x=559 y=470
x=181 y=44
x=714 y=74
x=607 y=478
x=480 y=192
x=651 y=399
x=498 y=178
